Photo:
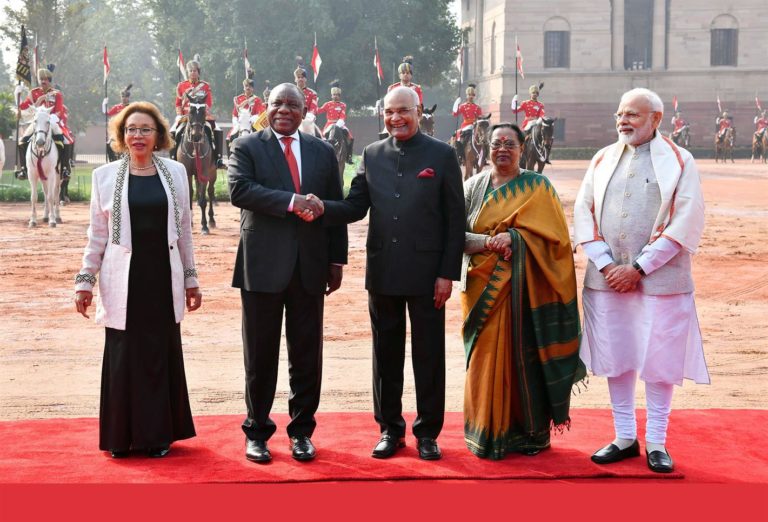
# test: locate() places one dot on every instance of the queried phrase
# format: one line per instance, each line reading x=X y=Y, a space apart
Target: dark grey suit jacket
x=272 y=240
x=416 y=228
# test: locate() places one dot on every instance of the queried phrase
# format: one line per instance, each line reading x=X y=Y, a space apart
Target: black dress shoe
x=387 y=446
x=659 y=461
x=119 y=454
x=257 y=451
x=428 y=449
x=160 y=451
x=302 y=448
x=611 y=453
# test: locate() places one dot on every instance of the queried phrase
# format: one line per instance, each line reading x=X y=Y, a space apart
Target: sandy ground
x=51 y=357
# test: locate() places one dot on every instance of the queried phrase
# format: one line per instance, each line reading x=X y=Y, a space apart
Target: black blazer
x=272 y=240
x=416 y=228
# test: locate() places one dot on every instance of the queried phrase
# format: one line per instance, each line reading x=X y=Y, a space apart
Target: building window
x=724 y=43
x=638 y=34
x=557 y=43
x=557 y=49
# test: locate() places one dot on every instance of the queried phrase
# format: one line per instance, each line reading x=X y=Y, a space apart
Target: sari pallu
x=521 y=329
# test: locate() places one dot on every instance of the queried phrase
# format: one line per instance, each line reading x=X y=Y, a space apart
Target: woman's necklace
x=150 y=166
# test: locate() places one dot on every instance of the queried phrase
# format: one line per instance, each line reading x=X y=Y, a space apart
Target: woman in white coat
x=140 y=246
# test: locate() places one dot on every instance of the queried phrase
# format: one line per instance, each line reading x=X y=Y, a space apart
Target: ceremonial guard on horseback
x=680 y=130
x=246 y=111
x=310 y=99
x=470 y=112
x=724 y=137
x=194 y=90
x=336 y=121
x=760 y=138
x=405 y=71
x=538 y=130
x=125 y=100
x=723 y=122
x=52 y=99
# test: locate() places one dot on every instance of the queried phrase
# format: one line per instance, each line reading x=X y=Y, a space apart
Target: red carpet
x=707 y=445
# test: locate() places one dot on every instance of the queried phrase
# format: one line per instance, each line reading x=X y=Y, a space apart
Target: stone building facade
x=589 y=53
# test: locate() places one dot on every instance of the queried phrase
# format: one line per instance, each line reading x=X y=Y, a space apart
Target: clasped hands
x=501 y=244
x=621 y=278
x=309 y=207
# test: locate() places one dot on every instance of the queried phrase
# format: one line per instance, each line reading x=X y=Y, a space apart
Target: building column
x=617 y=35
x=659 y=35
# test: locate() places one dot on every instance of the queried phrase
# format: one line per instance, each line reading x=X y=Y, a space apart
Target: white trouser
x=658 y=404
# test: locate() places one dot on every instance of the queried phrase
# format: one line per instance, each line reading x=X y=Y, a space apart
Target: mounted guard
x=246 y=111
x=125 y=100
x=336 y=116
x=680 y=130
x=532 y=108
x=405 y=71
x=190 y=89
x=46 y=96
x=470 y=112
x=310 y=99
x=723 y=122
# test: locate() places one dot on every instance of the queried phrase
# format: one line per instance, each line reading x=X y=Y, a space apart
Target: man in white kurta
x=639 y=216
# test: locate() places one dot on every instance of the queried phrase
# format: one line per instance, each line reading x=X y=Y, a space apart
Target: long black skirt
x=144 y=400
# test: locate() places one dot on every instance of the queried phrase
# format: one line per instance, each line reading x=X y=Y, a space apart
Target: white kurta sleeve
x=657 y=254
x=599 y=253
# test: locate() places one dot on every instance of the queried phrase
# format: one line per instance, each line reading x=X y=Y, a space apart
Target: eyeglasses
x=506 y=144
x=631 y=116
x=135 y=131
x=402 y=111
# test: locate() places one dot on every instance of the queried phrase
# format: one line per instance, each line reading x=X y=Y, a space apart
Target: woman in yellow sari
x=521 y=322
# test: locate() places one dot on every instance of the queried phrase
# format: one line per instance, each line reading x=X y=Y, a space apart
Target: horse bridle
x=539 y=145
x=188 y=139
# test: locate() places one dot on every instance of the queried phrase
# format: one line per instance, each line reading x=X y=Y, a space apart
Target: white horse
x=42 y=158
x=241 y=126
x=308 y=126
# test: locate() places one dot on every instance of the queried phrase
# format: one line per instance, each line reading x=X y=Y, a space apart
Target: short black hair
x=513 y=126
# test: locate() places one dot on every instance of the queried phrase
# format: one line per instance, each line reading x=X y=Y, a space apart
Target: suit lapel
x=277 y=157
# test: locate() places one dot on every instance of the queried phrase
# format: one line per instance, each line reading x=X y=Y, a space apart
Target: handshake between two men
x=309 y=207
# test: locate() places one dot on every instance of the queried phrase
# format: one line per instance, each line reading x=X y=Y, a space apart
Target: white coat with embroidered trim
x=108 y=251
x=681 y=215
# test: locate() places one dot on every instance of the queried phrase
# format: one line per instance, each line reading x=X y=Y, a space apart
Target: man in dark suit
x=284 y=263
x=412 y=185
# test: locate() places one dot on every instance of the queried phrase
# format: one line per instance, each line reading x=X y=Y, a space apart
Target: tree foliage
x=143 y=38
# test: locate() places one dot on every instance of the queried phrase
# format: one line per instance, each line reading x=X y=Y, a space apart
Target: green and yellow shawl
x=521 y=329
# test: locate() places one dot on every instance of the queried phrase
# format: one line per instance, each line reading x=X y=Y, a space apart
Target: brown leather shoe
x=387 y=446
x=257 y=451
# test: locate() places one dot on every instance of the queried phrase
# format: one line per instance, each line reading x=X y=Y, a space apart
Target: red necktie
x=292 y=165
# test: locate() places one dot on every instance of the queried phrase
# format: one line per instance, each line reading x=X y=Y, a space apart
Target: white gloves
x=456 y=104
x=341 y=124
x=310 y=117
x=514 y=101
x=104 y=105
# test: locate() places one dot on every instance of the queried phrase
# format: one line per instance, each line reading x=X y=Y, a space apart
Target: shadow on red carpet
x=707 y=445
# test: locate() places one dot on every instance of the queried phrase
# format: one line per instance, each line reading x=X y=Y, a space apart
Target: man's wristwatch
x=639 y=268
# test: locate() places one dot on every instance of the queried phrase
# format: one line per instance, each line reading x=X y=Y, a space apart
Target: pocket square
x=426 y=173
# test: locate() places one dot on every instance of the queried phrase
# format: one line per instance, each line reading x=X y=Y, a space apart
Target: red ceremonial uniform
x=724 y=123
x=53 y=98
x=677 y=124
x=762 y=124
x=253 y=104
x=115 y=109
x=182 y=102
x=335 y=111
x=310 y=100
x=470 y=112
x=532 y=110
x=415 y=86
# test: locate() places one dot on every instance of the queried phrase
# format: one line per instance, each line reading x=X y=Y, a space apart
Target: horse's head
x=482 y=132
x=197 y=108
x=244 y=121
x=42 y=125
x=548 y=130
x=427 y=121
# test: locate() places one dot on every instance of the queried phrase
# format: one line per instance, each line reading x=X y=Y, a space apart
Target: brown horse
x=473 y=146
x=196 y=154
x=759 y=144
x=538 y=145
x=427 y=121
x=724 y=145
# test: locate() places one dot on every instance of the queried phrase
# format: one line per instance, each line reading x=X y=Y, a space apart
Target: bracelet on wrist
x=639 y=268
